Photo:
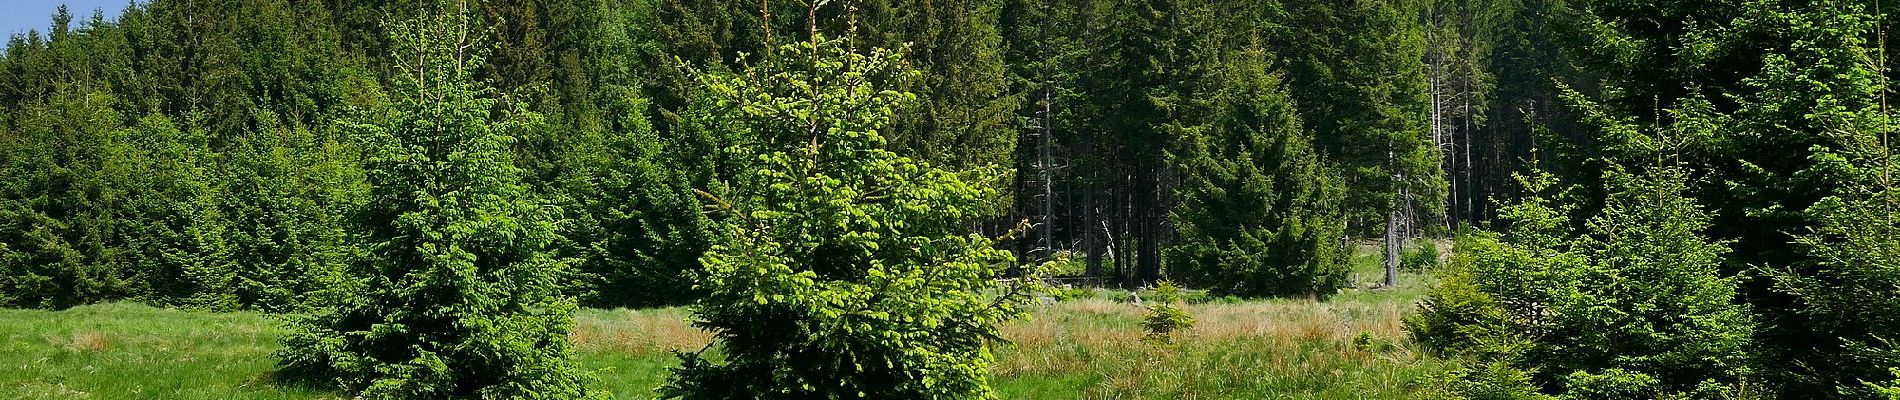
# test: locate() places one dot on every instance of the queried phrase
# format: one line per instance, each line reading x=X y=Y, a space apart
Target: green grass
x=130 y=351
x=1083 y=349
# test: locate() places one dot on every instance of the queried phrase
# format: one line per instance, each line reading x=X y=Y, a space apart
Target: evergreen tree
x=1794 y=89
x=638 y=225
x=1258 y=212
x=66 y=179
x=844 y=270
x=286 y=194
x=964 y=114
x=457 y=296
x=1356 y=72
x=175 y=229
x=1849 y=301
x=1637 y=308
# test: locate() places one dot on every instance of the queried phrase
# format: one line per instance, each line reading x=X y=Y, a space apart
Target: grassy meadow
x=1085 y=348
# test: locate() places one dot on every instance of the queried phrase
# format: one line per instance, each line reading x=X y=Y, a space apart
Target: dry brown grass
x=1294 y=320
x=1091 y=322
x=1106 y=326
x=82 y=341
x=636 y=332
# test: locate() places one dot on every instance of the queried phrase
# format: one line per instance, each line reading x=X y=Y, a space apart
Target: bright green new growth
x=1849 y=283
x=456 y=297
x=1165 y=316
x=846 y=271
x=1892 y=390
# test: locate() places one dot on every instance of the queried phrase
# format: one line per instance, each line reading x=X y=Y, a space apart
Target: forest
x=951 y=199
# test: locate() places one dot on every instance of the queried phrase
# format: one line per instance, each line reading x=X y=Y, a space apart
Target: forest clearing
x=950 y=199
x=1083 y=348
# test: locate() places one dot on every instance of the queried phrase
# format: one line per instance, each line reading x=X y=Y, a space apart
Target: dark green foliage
x=1789 y=95
x=64 y=193
x=636 y=225
x=286 y=195
x=1846 y=286
x=457 y=296
x=844 y=270
x=964 y=118
x=1848 y=302
x=164 y=209
x=174 y=225
x=1258 y=214
x=1355 y=69
x=1637 y=307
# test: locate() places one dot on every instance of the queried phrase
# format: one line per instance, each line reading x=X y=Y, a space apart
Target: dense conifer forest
x=1595 y=199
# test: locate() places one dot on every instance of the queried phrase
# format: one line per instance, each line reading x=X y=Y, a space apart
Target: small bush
x=1611 y=384
x=1421 y=257
x=1065 y=264
x=1067 y=293
x=1367 y=342
x=1165 y=316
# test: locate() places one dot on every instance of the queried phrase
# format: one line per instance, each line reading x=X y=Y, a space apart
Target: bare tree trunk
x=1045 y=163
x=1092 y=232
x=1392 y=247
x=1469 y=213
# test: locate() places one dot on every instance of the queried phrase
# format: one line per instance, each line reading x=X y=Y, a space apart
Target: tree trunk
x=1092 y=232
x=1148 y=257
x=1392 y=247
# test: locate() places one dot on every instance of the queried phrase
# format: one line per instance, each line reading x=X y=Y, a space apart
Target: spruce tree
x=456 y=296
x=1636 y=308
x=638 y=228
x=844 y=270
x=1849 y=283
x=1258 y=213
x=1891 y=390
x=176 y=231
x=1356 y=72
x=65 y=191
x=287 y=193
x=1798 y=95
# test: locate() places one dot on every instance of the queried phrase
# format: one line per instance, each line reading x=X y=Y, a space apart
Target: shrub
x=1494 y=380
x=1421 y=257
x=1066 y=263
x=1611 y=384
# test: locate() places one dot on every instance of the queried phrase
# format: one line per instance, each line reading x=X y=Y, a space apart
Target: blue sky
x=19 y=16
